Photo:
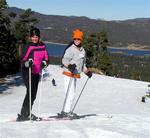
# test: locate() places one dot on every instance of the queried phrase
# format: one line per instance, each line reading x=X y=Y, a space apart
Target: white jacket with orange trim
x=74 y=55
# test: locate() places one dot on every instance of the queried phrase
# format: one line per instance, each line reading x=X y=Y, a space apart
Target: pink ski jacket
x=38 y=53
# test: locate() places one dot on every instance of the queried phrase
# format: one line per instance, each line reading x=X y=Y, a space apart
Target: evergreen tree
x=23 y=25
x=105 y=64
x=104 y=61
x=3 y=5
x=88 y=44
x=21 y=28
x=97 y=54
x=8 y=51
x=12 y=37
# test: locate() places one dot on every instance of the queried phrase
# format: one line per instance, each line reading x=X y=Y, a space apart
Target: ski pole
x=66 y=96
x=40 y=94
x=30 y=91
x=79 y=96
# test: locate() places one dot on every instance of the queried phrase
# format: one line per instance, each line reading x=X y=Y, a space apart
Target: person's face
x=34 y=39
x=77 y=41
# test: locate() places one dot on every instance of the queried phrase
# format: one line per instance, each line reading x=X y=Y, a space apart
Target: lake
x=55 y=49
x=58 y=49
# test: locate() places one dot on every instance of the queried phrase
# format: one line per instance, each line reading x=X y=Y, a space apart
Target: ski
x=55 y=118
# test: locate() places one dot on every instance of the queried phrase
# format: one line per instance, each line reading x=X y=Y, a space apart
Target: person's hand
x=29 y=63
x=72 y=67
x=44 y=64
x=89 y=74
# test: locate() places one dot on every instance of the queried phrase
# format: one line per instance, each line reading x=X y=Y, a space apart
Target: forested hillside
x=131 y=33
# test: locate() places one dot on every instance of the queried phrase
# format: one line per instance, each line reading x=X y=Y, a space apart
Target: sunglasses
x=76 y=39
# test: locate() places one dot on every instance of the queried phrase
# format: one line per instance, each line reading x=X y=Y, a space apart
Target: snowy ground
x=117 y=102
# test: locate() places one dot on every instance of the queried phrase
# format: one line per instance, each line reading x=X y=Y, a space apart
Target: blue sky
x=96 y=9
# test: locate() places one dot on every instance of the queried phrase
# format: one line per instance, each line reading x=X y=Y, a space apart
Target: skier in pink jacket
x=35 y=55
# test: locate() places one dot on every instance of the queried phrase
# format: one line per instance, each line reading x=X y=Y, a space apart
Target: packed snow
x=115 y=101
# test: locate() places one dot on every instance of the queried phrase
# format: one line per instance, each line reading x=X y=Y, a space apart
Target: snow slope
x=116 y=101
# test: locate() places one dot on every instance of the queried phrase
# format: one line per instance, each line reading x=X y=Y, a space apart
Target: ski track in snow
x=116 y=101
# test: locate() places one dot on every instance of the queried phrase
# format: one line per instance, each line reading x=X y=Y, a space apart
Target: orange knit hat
x=77 y=34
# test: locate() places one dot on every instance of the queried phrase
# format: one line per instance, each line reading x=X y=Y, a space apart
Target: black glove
x=89 y=74
x=72 y=67
x=29 y=63
x=44 y=64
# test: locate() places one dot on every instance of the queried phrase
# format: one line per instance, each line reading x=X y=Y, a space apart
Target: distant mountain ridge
x=131 y=33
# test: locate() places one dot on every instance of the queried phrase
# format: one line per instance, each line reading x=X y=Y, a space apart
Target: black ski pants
x=25 y=111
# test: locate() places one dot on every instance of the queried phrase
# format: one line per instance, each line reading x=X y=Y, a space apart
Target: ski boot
x=22 y=118
x=35 y=118
x=26 y=118
x=74 y=115
x=68 y=115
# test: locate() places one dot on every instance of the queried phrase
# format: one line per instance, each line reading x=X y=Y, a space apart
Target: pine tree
x=8 y=51
x=21 y=28
x=12 y=37
x=3 y=5
x=95 y=45
x=105 y=64
x=104 y=61
x=23 y=25
x=88 y=44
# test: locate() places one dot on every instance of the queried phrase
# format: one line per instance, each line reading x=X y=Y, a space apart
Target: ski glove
x=89 y=74
x=72 y=67
x=29 y=63
x=44 y=64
